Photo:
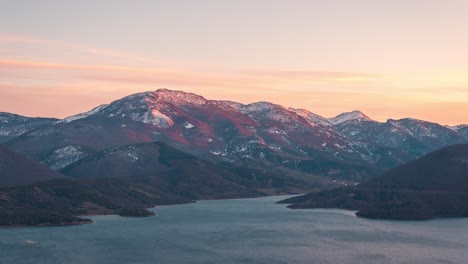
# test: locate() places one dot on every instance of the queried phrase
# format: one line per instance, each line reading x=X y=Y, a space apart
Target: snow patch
x=62 y=157
x=82 y=115
x=153 y=117
x=5 y=133
x=188 y=125
x=257 y=107
x=277 y=131
x=312 y=118
x=456 y=128
x=354 y=116
x=133 y=156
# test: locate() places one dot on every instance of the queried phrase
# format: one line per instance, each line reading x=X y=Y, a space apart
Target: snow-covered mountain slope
x=463 y=131
x=413 y=136
x=82 y=115
x=349 y=117
x=12 y=125
x=311 y=117
x=258 y=135
x=457 y=127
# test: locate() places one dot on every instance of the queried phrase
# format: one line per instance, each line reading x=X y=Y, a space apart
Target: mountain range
x=166 y=147
x=123 y=180
x=12 y=125
x=260 y=135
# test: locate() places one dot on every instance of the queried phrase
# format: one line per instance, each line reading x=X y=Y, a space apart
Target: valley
x=171 y=147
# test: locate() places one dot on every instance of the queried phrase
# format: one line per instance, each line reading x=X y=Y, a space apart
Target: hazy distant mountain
x=12 y=125
x=17 y=170
x=259 y=135
x=436 y=185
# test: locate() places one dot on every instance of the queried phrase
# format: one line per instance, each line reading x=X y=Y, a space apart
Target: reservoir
x=239 y=231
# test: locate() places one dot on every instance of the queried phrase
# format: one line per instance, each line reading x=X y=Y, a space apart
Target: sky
x=389 y=59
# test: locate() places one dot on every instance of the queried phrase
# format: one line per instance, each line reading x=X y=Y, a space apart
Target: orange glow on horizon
x=36 y=86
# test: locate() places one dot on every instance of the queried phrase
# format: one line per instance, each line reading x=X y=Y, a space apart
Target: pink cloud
x=12 y=39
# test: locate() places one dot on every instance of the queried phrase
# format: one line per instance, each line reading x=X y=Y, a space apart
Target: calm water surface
x=239 y=231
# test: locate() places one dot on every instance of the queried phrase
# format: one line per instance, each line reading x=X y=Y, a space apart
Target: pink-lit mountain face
x=259 y=135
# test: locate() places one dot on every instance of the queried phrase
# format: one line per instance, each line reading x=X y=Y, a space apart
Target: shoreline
x=76 y=223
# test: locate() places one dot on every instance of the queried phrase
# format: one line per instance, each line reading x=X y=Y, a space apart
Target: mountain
x=12 y=125
x=181 y=173
x=311 y=117
x=435 y=185
x=463 y=131
x=349 y=117
x=18 y=170
x=166 y=147
x=67 y=201
x=413 y=137
x=31 y=194
x=125 y=180
x=260 y=135
x=457 y=127
x=21 y=204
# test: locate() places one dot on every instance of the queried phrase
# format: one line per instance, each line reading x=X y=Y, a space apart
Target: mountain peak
x=179 y=97
x=262 y=106
x=353 y=116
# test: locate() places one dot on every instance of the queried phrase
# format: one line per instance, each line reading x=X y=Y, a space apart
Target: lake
x=239 y=231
